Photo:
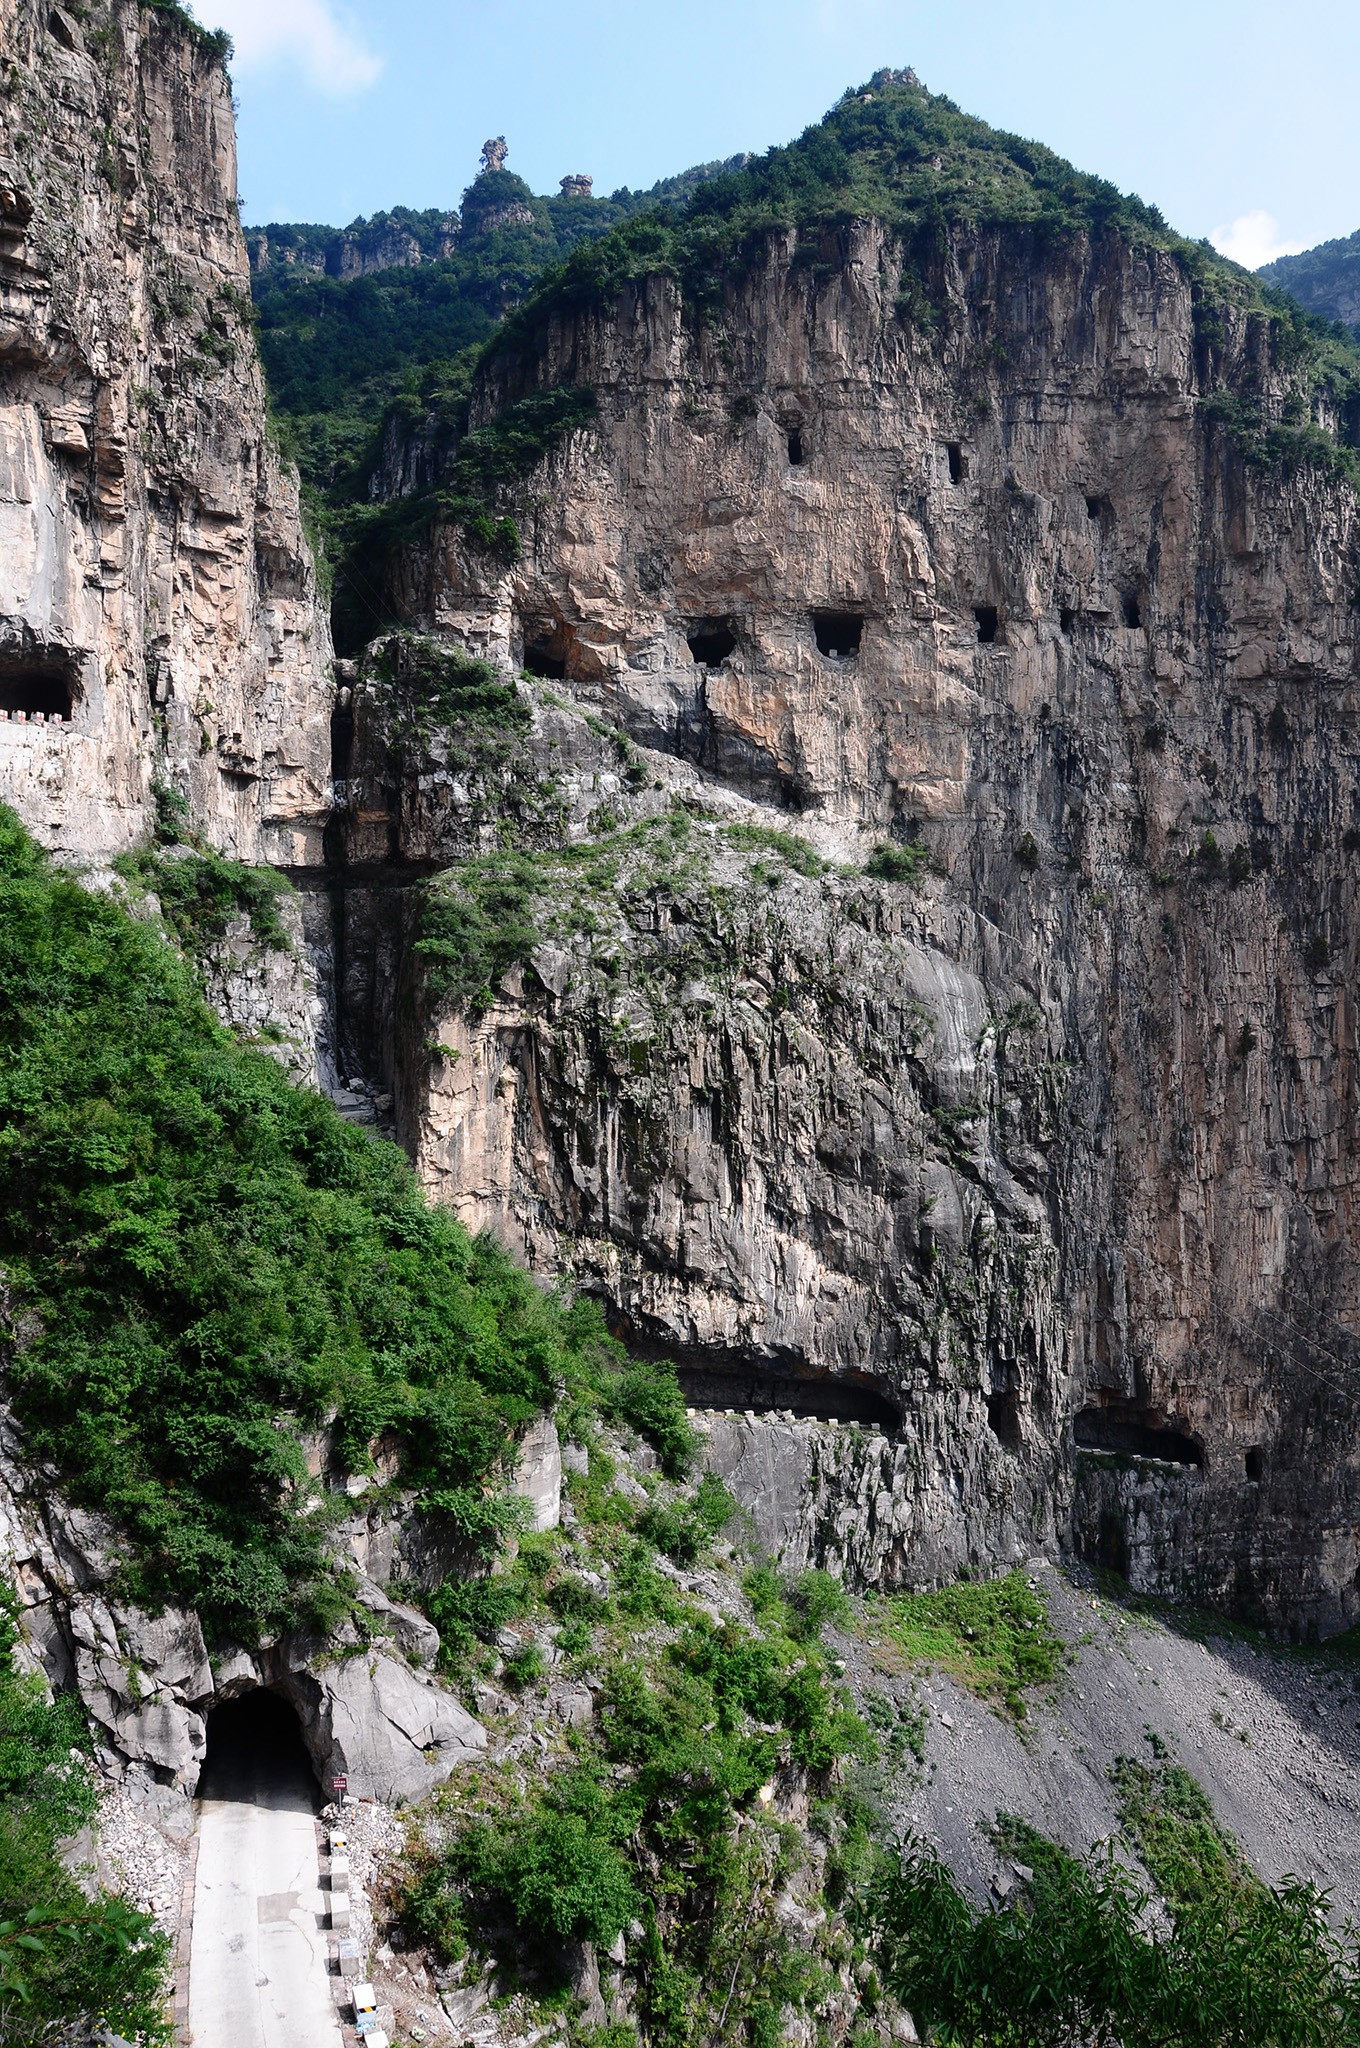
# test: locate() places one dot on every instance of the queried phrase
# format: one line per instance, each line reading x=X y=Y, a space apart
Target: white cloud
x=309 y=33
x=1253 y=239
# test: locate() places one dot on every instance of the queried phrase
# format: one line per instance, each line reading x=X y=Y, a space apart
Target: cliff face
x=985 y=572
x=158 y=618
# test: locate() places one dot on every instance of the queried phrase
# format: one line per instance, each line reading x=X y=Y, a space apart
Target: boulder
x=392 y=1732
x=413 y=1635
x=538 y=1475
x=168 y=1648
x=171 y=1738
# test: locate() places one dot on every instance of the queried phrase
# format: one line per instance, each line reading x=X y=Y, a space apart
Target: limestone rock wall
x=1106 y=672
x=157 y=593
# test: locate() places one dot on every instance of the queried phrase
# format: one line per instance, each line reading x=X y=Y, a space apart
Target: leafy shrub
x=1282 y=446
x=200 y=892
x=662 y=1821
x=433 y=684
x=684 y=1529
x=1211 y=854
x=818 y=1601
x=795 y=852
x=468 y=1610
x=906 y=863
x=214 y=1262
x=476 y=922
x=215 y=41
x=649 y=1398
x=525 y=1667
x=555 y=1867
x=1071 y=1958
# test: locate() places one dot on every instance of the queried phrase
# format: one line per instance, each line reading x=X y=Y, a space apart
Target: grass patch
x=993 y=1637
x=1170 y=1822
x=793 y=851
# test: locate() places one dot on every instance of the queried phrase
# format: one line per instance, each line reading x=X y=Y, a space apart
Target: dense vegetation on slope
x=338 y=351
x=891 y=151
x=659 y=1832
x=69 y=1964
x=1326 y=280
x=1075 y=1955
x=202 y=1262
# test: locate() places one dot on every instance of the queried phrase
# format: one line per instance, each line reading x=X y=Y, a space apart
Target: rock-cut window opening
x=958 y=468
x=1255 y=1462
x=838 y=634
x=256 y=1753
x=1132 y=607
x=540 y=661
x=40 y=688
x=1003 y=1417
x=988 y=622
x=797 y=452
x=711 y=641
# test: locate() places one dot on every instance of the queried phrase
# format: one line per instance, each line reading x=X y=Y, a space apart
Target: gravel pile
x=138 y=1859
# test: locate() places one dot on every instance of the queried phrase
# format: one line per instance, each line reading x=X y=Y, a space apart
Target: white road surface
x=258 y=1971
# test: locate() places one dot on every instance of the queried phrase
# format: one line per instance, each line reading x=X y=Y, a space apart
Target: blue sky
x=1236 y=119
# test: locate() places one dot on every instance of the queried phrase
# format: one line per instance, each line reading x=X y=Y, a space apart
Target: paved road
x=257 y=1970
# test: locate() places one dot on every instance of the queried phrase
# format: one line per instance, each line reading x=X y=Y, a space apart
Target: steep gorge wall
x=1106 y=672
x=157 y=594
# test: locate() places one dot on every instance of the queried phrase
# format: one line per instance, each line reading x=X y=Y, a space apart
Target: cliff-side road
x=258 y=1975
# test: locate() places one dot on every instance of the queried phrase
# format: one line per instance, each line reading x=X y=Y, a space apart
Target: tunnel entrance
x=540 y=661
x=776 y=1393
x=256 y=1755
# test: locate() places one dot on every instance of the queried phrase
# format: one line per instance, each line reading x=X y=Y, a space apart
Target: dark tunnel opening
x=540 y=661
x=256 y=1754
x=342 y=737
